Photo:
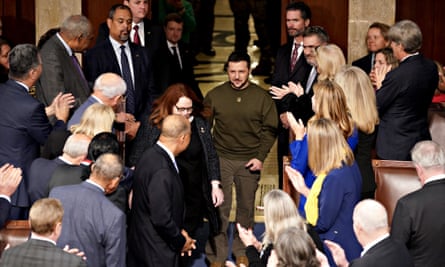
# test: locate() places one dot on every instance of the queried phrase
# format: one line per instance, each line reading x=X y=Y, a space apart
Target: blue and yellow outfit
x=299 y=152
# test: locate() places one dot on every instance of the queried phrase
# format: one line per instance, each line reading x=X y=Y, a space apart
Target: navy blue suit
x=5 y=206
x=39 y=176
x=24 y=126
x=154 y=237
x=75 y=119
x=93 y=224
x=364 y=63
x=102 y=58
x=403 y=102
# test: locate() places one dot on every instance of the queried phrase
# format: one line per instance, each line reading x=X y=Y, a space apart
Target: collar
x=95 y=184
x=67 y=47
x=42 y=238
x=97 y=99
x=408 y=56
x=22 y=84
x=435 y=178
x=6 y=197
x=170 y=154
x=117 y=46
x=373 y=243
x=170 y=44
x=65 y=160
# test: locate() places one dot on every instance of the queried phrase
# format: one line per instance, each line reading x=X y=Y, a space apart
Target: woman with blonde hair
x=280 y=213
x=330 y=59
x=97 y=118
x=329 y=102
x=336 y=189
x=361 y=101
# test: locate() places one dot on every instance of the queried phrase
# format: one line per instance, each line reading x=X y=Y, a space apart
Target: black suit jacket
x=364 y=63
x=102 y=58
x=282 y=74
x=39 y=253
x=24 y=126
x=167 y=72
x=154 y=237
x=419 y=222
x=403 y=102
x=153 y=35
x=386 y=253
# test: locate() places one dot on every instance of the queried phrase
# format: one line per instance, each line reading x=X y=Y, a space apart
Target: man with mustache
x=290 y=66
x=244 y=124
x=116 y=54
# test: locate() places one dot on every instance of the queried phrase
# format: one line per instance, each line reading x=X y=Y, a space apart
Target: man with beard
x=290 y=66
x=244 y=125
x=116 y=54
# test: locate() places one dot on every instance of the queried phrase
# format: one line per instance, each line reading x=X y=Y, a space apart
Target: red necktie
x=136 y=39
x=295 y=56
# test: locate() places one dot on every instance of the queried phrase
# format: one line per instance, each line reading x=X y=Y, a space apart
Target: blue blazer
x=75 y=119
x=299 y=161
x=39 y=176
x=339 y=193
x=24 y=127
x=102 y=58
x=93 y=224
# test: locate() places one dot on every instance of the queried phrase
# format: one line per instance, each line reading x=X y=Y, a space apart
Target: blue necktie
x=126 y=75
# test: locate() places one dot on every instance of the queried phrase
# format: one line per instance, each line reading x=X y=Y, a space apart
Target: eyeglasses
x=188 y=110
x=314 y=47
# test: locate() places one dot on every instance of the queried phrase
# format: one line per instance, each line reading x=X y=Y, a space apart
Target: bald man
x=156 y=237
x=370 y=222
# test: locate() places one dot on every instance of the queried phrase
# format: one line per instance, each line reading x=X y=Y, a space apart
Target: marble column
x=361 y=15
x=51 y=13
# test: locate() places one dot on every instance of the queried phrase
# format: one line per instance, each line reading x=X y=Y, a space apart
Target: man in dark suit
x=173 y=62
x=24 y=124
x=143 y=31
x=418 y=220
x=42 y=170
x=40 y=250
x=405 y=95
x=10 y=178
x=61 y=70
x=116 y=54
x=91 y=222
x=156 y=237
x=290 y=65
x=370 y=222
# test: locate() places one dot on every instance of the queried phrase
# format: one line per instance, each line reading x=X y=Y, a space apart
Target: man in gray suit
x=93 y=223
x=40 y=250
x=61 y=70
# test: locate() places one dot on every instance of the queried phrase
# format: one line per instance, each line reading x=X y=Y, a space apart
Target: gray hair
x=108 y=166
x=76 y=26
x=370 y=215
x=110 y=84
x=22 y=58
x=406 y=33
x=428 y=154
x=76 y=146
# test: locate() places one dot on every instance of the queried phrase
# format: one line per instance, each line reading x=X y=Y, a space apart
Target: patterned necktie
x=136 y=38
x=126 y=75
x=295 y=55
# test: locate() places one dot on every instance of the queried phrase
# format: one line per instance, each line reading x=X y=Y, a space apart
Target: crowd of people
x=122 y=161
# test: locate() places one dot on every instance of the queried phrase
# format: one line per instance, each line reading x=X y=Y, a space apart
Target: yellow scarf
x=311 y=206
